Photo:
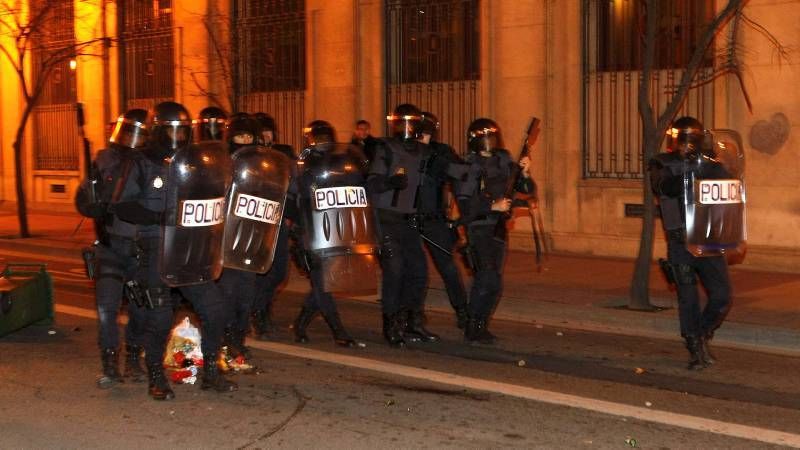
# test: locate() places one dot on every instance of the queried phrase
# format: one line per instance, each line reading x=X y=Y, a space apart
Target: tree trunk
x=19 y=182
x=640 y=285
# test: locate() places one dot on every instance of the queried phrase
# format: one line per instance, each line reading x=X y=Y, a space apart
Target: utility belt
x=115 y=244
x=433 y=217
x=484 y=219
x=678 y=235
x=411 y=220
x=143 y=297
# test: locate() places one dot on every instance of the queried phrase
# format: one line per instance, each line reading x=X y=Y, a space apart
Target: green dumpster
x=26 y=297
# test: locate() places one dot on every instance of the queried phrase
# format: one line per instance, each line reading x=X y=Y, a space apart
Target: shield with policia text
x=191 y=248
x=255 y=208
x=715 y=197
x=339 y=226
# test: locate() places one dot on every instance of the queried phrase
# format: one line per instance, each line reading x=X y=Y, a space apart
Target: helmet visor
x=129 y=133
x=405 y=127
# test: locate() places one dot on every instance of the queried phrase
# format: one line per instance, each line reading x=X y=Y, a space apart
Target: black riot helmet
x=170 y=126
x=268 y=133
x=686 y=135
x=319 y=132
x=405 y=122
x=211 y=124
x=484 y=135
x=130 y=130
x=430 y=125
x=242 y=130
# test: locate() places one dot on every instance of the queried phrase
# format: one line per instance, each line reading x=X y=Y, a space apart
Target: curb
x=593 y=318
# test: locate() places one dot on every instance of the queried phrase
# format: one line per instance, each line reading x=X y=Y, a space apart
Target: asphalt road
x=540 y=387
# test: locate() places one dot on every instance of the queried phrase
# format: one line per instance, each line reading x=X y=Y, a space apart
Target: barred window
x=613 y=33
x=53 y=46
x=269 y=49
x=146 y=15
x=620 y=33
x=55 y=137
x=433 y=40
x=147 y=52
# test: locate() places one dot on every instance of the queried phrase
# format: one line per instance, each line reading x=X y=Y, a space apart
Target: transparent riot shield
x=197 y=181
x=339 y=224
x=715 y=197
x=255 y=208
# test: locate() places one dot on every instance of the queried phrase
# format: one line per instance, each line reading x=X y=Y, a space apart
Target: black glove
x=397 y=181
x=97 y=210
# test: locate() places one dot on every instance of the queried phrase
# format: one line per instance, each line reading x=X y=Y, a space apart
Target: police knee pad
x=161 y=297
x=388 y=248
x=685 y=275
x=111 y=270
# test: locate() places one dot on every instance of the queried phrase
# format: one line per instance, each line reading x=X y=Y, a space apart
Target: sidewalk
x=571 y=291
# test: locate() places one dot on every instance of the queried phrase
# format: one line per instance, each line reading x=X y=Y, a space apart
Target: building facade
x=574 y=64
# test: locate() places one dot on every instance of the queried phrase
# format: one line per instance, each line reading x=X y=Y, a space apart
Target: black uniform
x=142 y=202
x=367 y=146
x=435 y=226
x=405 y=271
x=666 y=176
x=327 y=165
x=486 y=182
x=266 y=285
x=115 y=251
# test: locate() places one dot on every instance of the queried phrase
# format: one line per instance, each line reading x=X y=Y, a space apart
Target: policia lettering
x=257 y=208
x=202 y=213
x=717 y=192
x=340 y=197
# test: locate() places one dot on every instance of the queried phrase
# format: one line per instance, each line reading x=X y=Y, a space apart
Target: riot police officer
x=115 y=248
x=440 y=236
x=268 y=284
x=143 y=201
x=239 y=286
x=687 y=155
x=211 y=124
x=332 y=171
x=482 y=201
x=395 y=175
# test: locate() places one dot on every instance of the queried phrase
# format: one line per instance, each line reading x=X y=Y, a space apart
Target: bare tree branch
x=696 y=60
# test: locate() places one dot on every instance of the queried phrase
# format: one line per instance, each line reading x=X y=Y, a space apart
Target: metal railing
x=56 y=141
x=433 y=61
x=53 y=119
x=269 y=59
x=147 y=52
x=612 y=131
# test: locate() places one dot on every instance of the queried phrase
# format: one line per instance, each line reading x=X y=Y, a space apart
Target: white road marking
x=514 y=390
x=28 y=256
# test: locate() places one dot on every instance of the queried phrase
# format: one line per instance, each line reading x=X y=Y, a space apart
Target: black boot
x=340 y=335
x=477 y=332
x=213 y=379
x=263 y=328
x=392 y=329
x=708 y=357
x=696 y=354
x=158 y=387
x=414 y=329
x=301 y=323
x=237 y=346
x=133 y=364
x=111 y=376
x=461 y=317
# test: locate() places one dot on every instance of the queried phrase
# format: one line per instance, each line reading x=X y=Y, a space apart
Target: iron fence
x=56 y=144
x=147 y=52
x=269 y=59
x=612 y=33
x=433 y=61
